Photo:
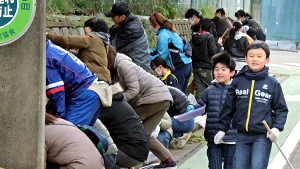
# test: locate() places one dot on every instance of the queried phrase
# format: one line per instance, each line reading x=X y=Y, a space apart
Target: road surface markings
x=287 y=147
x=291 y=66
x=292 y=97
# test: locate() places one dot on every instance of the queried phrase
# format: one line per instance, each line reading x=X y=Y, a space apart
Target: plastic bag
x=192 y=98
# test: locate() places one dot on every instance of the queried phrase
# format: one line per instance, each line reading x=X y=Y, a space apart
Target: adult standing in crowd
x=128 y=35
x=204 y=47
x=167 y=37
x=92 y=48
x=195 y=17
x=249 y=25
x=222 y=23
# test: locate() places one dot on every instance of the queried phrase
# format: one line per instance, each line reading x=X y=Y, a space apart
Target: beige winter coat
x=70 y=147
x=91 y=51
x=166 y=124
x=140 y=87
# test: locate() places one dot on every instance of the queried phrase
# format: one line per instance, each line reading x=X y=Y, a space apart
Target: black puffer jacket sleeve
x=180 y=102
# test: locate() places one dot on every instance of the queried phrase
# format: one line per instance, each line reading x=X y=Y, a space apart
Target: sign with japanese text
x=16 y=17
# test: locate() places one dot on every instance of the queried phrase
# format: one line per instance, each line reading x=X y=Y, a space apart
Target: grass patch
x=196 y=138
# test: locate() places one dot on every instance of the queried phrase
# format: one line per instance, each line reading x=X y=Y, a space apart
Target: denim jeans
x=183 y=75
x=219 y=153
x=181 y=127
x=252 y=150
x=164 y=137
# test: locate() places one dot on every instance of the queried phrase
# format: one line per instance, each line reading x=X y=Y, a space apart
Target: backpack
x=101 y=143
x=260 y=34
x=187 y=48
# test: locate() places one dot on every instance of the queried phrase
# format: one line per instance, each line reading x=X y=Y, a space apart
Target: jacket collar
x=254 y=75
x=166 y=75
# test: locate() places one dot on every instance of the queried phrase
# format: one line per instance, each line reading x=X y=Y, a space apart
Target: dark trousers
x=219 y=153
x=183 y=75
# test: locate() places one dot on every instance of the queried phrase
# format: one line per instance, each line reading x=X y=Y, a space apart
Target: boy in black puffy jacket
x=213 y=97
x=204 y=47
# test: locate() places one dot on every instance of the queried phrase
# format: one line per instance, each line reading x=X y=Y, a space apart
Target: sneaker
x=180 y=141
x=168 y=164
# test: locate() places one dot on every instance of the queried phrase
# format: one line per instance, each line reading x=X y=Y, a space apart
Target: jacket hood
x=120 y=57
x=254 y=75
x=238 y=35
x=103 y=36
x=199 y=38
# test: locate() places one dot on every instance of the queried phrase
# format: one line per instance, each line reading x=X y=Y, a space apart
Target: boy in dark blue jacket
x=253 y=96
x=213 y=97
x=68 y=80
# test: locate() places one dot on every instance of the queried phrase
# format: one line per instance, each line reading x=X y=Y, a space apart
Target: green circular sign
x=16 y=17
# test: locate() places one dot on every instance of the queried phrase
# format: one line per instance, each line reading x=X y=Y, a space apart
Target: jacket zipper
x=249 y=105
x=221 y=98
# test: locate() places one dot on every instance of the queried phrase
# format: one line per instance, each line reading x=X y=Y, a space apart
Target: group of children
x=236 y=102
x=241 y=96
x=236 y=105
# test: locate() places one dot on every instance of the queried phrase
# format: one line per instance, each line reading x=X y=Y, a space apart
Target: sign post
x=16 y=17
x=22 y=83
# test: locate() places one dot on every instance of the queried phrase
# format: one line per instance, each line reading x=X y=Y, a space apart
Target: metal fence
x=280 y=19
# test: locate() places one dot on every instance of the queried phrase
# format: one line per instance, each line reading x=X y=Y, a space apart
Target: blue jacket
x=66 y=77
x=166 y=36
x=267 y=103
x=214 y=97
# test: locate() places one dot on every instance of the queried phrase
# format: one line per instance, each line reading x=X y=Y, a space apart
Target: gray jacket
x=140 y=87
x=131 y=39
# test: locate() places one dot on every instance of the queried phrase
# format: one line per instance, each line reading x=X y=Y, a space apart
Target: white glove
x=245 y=28
x=274 y=135
x=218 y=137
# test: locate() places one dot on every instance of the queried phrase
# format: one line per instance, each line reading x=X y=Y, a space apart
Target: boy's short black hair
x=189 y=13
x=97 y=25
x=257 y=45
x=205 y=24
x=221 y=10
x=224 y=58
x=240 y=13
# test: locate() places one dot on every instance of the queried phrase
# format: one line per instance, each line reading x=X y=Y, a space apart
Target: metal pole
x=269 y=130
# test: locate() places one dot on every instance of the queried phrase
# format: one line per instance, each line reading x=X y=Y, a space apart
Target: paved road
x=286 y=68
